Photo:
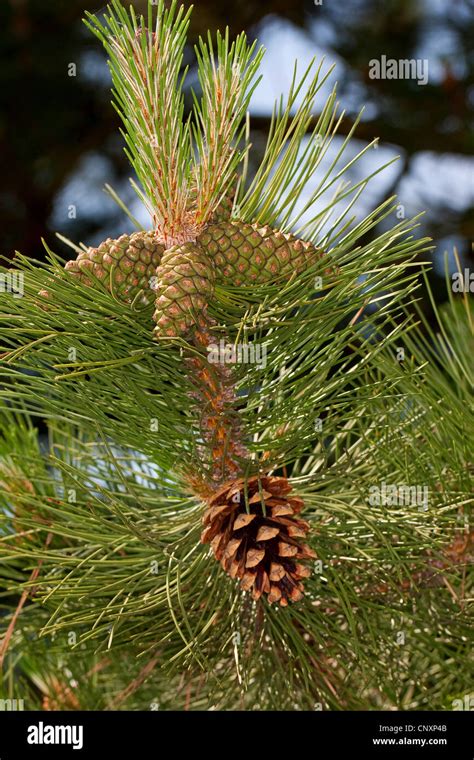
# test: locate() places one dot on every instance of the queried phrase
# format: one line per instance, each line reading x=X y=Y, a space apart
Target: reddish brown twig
x=136 y=683
x=9 y=633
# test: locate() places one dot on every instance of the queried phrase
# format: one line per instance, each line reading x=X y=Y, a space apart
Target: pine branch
x=129 y=607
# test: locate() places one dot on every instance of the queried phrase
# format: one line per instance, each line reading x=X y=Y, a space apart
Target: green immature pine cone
x=125 y=266
x=246 y=253
x=185 y=283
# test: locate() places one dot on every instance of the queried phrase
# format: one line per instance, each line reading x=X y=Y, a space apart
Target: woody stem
x=219 y=428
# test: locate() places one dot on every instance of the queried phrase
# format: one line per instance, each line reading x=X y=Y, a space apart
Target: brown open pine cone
x=263 y=550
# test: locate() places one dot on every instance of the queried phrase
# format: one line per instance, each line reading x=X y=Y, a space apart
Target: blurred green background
x=59 y=138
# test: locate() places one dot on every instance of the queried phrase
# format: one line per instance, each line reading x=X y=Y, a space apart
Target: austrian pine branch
x=163 y=455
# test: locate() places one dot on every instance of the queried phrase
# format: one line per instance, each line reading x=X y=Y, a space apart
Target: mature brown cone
x=263 y=547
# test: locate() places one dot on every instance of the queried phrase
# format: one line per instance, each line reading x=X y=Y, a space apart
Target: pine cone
x=126 y=266
x=245 y=253
x=262 y=549
x=184 y=285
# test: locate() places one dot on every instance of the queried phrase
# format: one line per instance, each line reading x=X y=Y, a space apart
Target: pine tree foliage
x=109 y=599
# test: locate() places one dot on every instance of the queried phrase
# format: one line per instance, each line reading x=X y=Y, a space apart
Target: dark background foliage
x=59 y=139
